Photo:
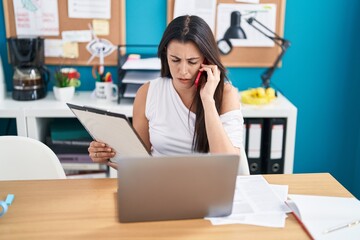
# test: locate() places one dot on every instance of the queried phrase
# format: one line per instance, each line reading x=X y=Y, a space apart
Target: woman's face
x=184 y=62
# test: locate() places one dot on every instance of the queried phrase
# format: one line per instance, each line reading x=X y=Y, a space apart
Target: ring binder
x=254 y=129
x=274 y=145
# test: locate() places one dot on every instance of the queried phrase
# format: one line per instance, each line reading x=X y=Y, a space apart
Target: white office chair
x=23 y=158
x=243 y=164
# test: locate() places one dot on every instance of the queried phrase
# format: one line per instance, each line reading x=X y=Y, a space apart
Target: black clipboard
x=111 y=128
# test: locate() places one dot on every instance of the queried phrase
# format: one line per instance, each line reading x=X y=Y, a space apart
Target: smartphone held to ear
x=197 y=79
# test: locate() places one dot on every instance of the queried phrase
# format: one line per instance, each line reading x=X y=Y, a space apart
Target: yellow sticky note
x=101 y=26
x=70 y=50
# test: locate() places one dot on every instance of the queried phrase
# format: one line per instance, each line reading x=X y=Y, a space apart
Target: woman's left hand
x=213 y=79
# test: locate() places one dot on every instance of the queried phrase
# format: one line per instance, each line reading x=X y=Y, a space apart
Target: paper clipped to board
x=111 y=128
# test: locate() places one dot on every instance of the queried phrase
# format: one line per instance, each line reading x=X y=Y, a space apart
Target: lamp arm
x=283 y=43
x=266 y=76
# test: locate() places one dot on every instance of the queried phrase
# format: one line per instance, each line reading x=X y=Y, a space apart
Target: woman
x=172 y=114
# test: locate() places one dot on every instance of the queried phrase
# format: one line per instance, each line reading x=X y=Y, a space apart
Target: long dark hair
x=195 y=29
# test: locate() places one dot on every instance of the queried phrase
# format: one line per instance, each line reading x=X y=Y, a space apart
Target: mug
x=107 y=91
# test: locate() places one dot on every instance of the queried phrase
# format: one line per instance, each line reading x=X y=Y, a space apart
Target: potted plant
x=66 y=80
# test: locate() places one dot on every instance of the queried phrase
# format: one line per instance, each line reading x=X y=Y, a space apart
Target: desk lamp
x=283 y=43
x=235 y=31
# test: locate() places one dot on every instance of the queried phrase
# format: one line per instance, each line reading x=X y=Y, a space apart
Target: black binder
x=274 y=145
x=254 y=135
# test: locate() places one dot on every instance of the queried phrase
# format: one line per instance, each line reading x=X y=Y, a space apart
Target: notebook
x=176 y=187
x=111 y=128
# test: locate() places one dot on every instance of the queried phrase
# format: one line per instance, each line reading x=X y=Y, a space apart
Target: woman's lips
x=184 y=79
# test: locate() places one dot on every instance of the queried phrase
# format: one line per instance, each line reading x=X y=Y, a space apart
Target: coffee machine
x=30 y=77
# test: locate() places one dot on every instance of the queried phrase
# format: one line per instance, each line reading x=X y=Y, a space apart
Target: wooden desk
x=86 y=209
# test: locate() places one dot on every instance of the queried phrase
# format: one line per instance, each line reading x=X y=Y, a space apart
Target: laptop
x=176 y=187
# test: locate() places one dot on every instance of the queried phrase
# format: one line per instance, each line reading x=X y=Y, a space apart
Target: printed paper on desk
x=319 y=213
x=256 y=203
x=263 y=198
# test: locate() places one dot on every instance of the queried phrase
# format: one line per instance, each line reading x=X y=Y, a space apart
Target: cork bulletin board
x=116 y=31
x=248 y=56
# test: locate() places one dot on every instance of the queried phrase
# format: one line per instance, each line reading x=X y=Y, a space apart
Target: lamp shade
x=235 y=30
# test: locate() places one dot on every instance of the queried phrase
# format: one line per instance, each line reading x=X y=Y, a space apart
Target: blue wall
x=352 y=140
x=318 y=75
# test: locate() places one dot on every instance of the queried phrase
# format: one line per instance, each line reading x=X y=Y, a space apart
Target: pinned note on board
x=53 y=48
x=101 y=27
x=113 y=11
x=76 y=36
x=70 y=50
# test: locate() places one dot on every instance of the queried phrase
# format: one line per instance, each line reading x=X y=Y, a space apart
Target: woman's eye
x=175 y=60
x=193 y=63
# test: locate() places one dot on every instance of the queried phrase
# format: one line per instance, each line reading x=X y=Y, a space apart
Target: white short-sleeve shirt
x=171 y=124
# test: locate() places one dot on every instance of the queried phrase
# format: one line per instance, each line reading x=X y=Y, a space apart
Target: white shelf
x=32 y=117
x=50 y=107
x=279 y=107
x=14 y=109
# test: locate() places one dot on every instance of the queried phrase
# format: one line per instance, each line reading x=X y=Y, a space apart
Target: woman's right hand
x=101 y=153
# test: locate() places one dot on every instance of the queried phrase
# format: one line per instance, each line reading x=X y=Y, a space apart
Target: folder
x=254 y=131
x=245 y=141
x=274 y=145
x=245 y=135
x=327 y=218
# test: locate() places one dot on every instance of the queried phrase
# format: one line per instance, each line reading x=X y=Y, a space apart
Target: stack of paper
x=140 y=77
x=142 y=64
x=257 y=202
x=131 y=90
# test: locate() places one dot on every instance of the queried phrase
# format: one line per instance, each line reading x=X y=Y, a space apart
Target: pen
x=347 y=225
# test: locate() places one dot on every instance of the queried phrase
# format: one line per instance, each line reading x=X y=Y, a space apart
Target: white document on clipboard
x=111 y=128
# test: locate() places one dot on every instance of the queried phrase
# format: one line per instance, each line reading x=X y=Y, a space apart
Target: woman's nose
x=183 y=69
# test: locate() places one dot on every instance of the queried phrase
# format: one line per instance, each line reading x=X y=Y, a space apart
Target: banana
x=258 y=96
